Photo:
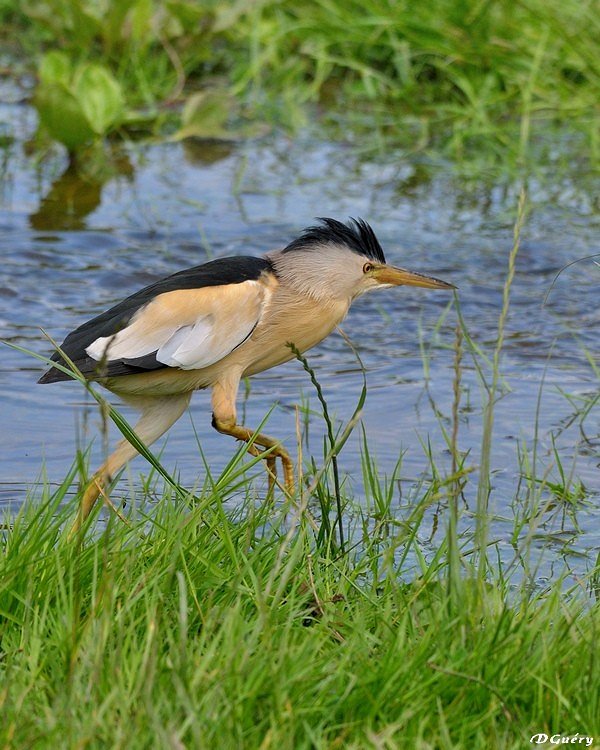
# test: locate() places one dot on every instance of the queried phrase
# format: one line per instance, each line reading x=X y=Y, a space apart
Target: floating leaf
x=77 y=105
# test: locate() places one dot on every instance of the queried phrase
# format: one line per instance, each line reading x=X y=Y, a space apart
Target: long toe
x=288 y=473
x=272 y=472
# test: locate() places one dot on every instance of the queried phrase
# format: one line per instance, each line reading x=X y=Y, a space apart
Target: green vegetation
x=444 y=74
x=195 y=627
x=218 y=619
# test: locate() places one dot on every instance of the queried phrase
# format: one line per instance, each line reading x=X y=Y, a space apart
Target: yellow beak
x=400 y=276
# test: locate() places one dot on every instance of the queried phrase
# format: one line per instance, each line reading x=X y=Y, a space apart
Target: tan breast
x=290 y=318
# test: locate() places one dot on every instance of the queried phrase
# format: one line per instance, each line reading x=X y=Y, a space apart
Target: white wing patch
x=176 y=350
x=188 y=328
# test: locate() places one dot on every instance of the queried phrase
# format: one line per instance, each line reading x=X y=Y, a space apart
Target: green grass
x=449 y=74
x=193 y=626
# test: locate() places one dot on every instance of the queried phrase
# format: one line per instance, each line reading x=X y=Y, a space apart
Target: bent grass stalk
x=454 y=489
x=336 y=442
x=332 y=446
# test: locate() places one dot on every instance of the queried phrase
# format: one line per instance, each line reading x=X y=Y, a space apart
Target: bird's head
x=342 y=261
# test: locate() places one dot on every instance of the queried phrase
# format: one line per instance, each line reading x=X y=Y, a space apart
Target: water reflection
x=207 y=151
x=77 y=192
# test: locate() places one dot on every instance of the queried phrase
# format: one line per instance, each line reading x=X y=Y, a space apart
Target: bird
x=209 y=326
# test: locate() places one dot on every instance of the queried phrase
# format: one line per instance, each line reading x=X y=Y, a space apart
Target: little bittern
x=211 y=325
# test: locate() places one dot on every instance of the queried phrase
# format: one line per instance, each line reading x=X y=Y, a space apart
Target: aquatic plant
x=77 y=103
x=453 y=73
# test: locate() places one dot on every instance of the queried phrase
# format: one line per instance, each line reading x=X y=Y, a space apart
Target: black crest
x=356 y=235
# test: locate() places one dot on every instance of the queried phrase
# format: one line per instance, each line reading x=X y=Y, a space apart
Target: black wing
x=218 y=272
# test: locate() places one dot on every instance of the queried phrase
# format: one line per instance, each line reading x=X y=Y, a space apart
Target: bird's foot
x=228 y=427
x=271 y=463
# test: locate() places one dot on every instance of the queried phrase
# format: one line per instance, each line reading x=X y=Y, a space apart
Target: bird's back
x=219 y=272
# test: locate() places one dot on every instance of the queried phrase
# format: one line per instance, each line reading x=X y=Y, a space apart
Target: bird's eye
x=368 y=267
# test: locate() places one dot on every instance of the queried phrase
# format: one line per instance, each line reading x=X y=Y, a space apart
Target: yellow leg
x=229 y=427
x=158 y=414
x=92 y=492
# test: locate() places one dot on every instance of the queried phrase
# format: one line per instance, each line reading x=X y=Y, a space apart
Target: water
x=72 y=247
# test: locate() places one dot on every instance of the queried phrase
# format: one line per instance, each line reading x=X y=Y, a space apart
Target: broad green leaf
x=63 y=117
x=100 y=97
x=55 y=68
